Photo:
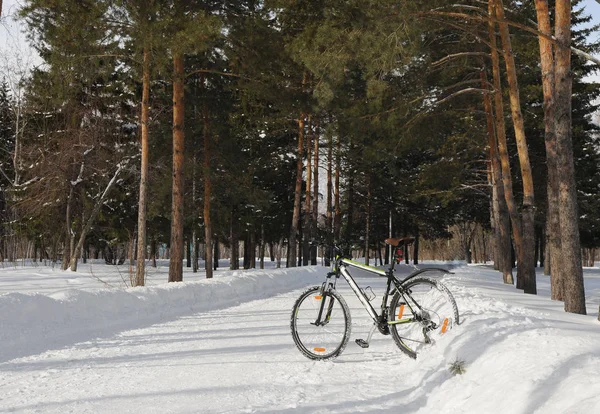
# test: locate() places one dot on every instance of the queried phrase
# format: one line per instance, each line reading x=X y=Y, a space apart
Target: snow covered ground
x=86 y=344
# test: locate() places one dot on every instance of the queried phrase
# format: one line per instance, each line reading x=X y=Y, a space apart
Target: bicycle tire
x=413 y=328
x=320 y=342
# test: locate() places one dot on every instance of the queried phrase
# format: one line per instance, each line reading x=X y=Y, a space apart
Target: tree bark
x=292 y=246
x=500 y=209
x=262 y=245
x=337 y=219
x=315 y=206
x=207 y=194
x=140 y=270
x=217 y=253
x=350 y=220
x=329 y=216
x=368 y=224
x=574 y=293
x=416 y=246
x=308 y=196
x=68 y=249
x=176 y=260
x=526 y=278
x=548 y=75
x=234 y=242
x=501 y=136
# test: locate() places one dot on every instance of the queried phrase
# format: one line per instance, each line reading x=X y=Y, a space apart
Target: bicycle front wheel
x=421 y=313
x=320 y=323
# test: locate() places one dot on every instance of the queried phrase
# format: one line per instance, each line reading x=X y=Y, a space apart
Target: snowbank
x=32 y=323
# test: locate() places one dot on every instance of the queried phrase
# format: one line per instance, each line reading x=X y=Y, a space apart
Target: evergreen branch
x=109 y=55
x=463 y=6
x=467 y=82
x=476 y=36
x=458 y=55
x=393 y=109
x=462 y=92
x=526 y=28
x=487 y=20
x=217 y=72
x=584 y=54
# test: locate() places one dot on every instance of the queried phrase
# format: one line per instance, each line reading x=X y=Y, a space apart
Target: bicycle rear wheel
x=423 y=312
x=324 y=336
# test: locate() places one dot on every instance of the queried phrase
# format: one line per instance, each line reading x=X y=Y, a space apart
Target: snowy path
x=239 y=359
x=522 y=356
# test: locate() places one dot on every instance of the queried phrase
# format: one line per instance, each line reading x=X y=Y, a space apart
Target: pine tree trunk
x=153 y=252
x=217 y=253
x=526 y=278
x=292 y=246
x=252 y=249
x=188 y=253
x=548 y=79
x=501 y=138
x=307 y=198
x=542 y=247
x=501 y=216
x=329 y=217
x=68 y=246
x=416 y=246
x=337 y=219
x=547 y=266
x=140 y=270
x=176 y=260
x=195 y=255
x=234 y=242
x=574 y=293
x=194 y=251
x=350 y=220
x=368 y=224
x=278 y=254
x=208 y=265
x=262 y=246
x=315 y=206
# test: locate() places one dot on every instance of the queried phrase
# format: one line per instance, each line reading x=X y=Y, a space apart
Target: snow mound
x=33 y=323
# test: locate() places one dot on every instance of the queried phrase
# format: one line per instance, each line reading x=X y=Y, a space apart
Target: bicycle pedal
x=362 y=343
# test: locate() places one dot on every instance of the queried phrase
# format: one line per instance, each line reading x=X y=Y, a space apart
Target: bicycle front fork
x=324 y=314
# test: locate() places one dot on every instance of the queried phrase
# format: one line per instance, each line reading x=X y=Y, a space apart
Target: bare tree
x=92 y=217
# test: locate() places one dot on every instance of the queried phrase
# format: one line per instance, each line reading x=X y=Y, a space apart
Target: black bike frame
x=341 y=267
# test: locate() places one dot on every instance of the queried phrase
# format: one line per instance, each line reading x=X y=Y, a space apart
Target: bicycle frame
x=341 y=266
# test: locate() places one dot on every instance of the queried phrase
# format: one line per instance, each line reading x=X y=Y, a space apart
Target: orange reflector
x=445 y=325
x=401 y=311
x=319 y=297
x=319 y=349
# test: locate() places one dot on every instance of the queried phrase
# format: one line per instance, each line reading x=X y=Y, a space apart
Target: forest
x=258 y=130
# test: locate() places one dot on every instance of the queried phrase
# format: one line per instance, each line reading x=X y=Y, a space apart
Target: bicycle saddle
x=395 y=242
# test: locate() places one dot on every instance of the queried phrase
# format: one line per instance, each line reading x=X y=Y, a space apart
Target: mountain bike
x=421 y=310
